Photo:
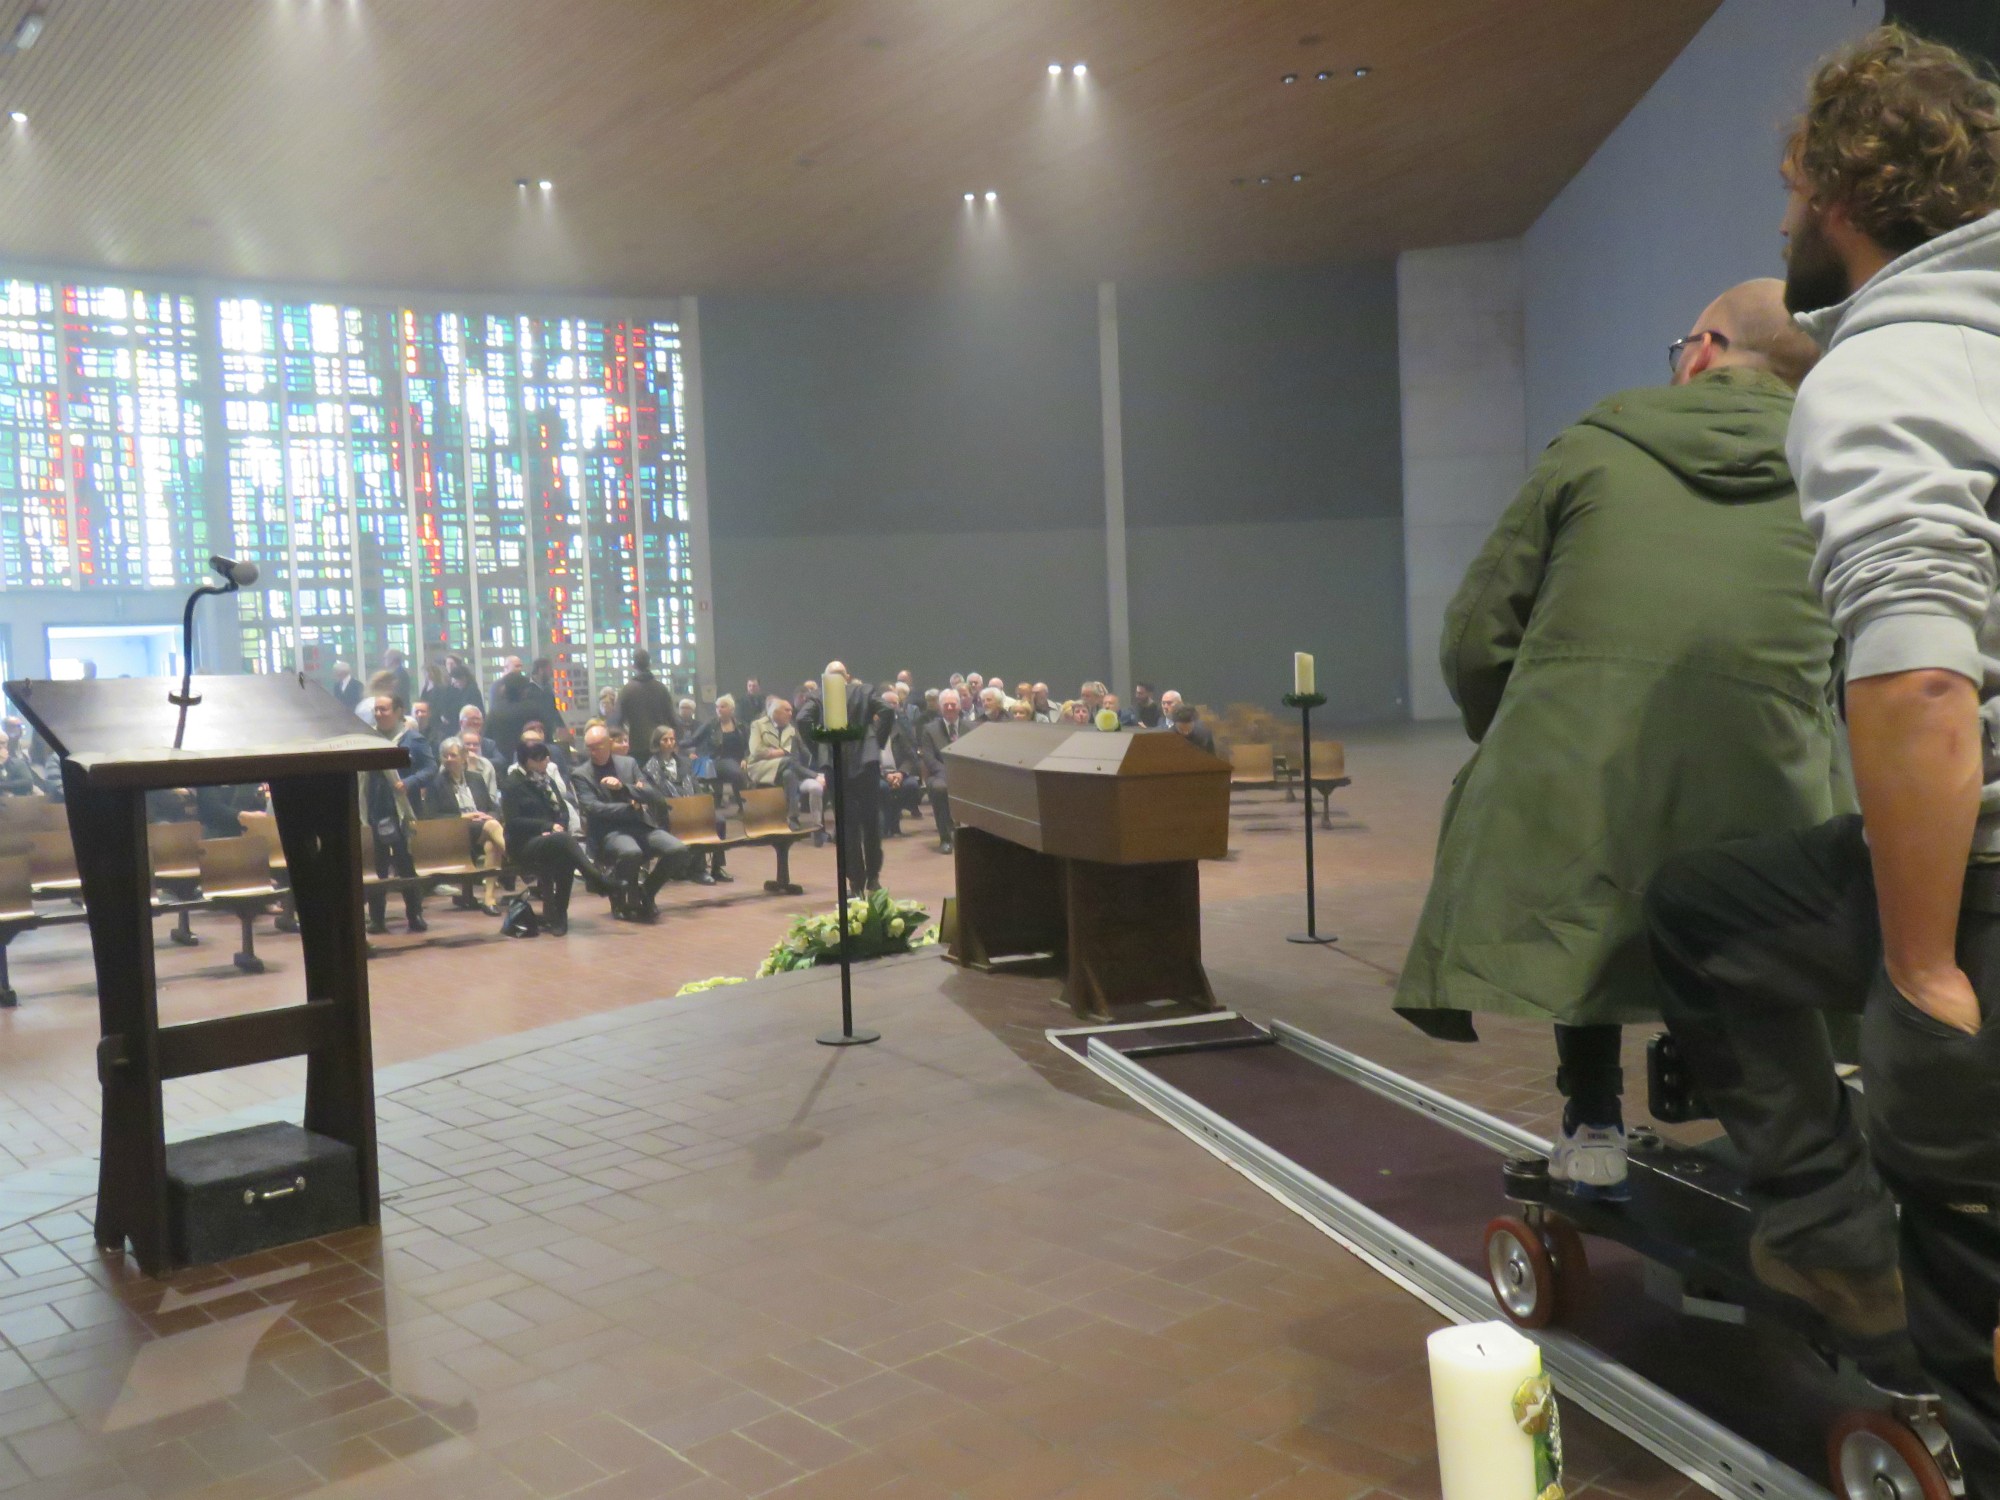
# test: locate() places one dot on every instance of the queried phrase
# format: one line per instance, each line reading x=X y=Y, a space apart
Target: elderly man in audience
x=902 y=770
x=461 y=792
x=1169 y=701
x=1110 y=701
x=1091 y=695
x=1046 y=712
x=939 y=735
x=969 y=694
x=425 y=722
x=777 y=757
x=473 y=743
x=618 y=821
x=670 y=772
x=544 y=831
x=992 y=706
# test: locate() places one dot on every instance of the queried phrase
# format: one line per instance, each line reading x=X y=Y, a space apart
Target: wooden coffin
x=1122 y=798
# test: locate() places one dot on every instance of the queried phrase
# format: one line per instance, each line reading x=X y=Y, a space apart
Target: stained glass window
x=422 y=481
x=34 y=509
x=133 y=413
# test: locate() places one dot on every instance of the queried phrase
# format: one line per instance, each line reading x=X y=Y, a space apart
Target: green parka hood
x=1723 y=432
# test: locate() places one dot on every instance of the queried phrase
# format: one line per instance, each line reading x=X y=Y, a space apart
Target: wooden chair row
x=1258 y=766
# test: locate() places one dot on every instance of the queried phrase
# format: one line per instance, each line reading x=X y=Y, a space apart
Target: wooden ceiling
x=707 y=145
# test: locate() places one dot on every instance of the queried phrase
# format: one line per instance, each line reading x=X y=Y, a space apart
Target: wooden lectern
x=117 y=741
x=1081 y=845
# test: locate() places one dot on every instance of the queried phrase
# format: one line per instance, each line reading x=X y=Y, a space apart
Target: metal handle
x=296 y=1185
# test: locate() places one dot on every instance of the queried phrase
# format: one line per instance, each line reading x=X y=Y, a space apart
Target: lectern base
x=1309 y=937
x=844 y=1039
x=247 y=1190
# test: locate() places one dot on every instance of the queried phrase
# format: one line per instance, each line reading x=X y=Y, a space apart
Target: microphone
x=239 y=575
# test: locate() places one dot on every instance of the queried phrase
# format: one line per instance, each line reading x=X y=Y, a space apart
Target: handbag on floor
x=521 y=920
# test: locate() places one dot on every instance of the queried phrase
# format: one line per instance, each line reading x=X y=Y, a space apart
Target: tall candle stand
x=1305 y=703
x=839 y=739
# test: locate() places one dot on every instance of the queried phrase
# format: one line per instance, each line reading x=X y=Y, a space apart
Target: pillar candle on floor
x=1478 y=1373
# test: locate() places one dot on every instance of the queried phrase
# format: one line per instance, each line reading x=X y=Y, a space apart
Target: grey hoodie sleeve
x=1894 y=450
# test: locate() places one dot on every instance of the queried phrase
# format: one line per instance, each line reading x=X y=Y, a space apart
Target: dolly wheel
x=1522 y=1272
x=1872 y=1456
x=1564 y=1242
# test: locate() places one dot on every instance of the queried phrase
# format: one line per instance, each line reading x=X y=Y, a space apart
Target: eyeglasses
x=1680 y=346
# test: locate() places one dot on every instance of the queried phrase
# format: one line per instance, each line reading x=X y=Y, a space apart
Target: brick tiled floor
x=639 y=1246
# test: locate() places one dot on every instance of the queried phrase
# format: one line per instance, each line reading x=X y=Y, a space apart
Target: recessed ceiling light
x=19 y=117
x=545 y=184
x=1298 y=177
x=969 y=197
x=1322 y=75
x=991 y=196
x=1362 y=72
x=1289 y=78
x=1055 y=70
x=30 y=30
x=1263 y=182
x=1078 y=71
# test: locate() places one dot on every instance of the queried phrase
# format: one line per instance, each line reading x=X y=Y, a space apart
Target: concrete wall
x=1459 y=348
x=1263 y=486
x=906 y=482
x=919 y=482
x=1680 y=202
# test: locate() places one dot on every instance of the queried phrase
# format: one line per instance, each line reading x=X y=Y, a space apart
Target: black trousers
x=557 y=858
x=392 y=855
x=1588 y=1075
x=897 y=800
x=941 y=811
x=1757 y=942
x=627 y=853
x=864 y=828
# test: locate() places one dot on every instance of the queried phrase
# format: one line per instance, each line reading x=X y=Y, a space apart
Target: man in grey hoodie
x=1894 y=267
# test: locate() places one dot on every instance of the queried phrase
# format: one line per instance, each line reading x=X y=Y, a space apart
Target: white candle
x=1302 y=674
x=833 y=698
x=1476 y=1373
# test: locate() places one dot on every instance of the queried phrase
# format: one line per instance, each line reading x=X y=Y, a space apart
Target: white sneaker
x=1590 y=1162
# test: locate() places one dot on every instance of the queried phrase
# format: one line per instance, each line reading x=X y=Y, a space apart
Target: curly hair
x=1902 y=133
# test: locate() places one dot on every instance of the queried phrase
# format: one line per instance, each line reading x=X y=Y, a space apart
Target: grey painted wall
x=1263 y=485
x=1459 y=312
x=1680 y=202
x=923 y=471
x=919 y=482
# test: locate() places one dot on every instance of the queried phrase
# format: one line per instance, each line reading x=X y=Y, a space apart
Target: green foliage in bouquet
x=876 y=928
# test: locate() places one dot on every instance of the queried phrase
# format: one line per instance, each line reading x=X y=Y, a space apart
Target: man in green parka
x=1645 y=669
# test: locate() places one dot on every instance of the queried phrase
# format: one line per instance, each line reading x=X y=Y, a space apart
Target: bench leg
x=1326 y=807
x=247 y=960
x=288 y=918
x=183 y=934
x=8 y=999
x=783 y=885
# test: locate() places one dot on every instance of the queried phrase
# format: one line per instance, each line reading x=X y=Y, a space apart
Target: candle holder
x=1305 y=703
x=839 y=739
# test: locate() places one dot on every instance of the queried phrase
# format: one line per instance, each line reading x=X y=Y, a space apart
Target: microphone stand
x=184 y=699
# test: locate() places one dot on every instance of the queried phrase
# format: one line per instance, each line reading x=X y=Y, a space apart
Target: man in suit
x=939 y=735
x=390 y=798
x=901 y=783
x=617 y=820
x=862 y=767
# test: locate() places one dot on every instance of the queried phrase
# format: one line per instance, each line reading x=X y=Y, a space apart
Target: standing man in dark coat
x=862 y=765
x=391 y=797
x=644 y=703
